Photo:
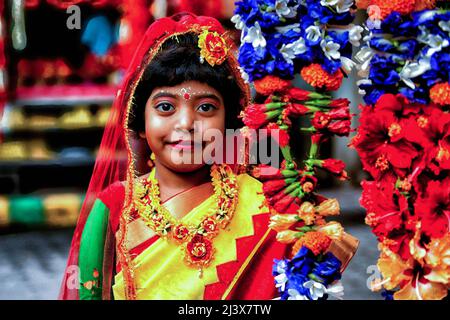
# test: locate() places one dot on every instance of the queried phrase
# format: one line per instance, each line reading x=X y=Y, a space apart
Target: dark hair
x=179 y=61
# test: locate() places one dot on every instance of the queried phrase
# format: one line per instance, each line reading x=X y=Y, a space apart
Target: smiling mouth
x=185 y=144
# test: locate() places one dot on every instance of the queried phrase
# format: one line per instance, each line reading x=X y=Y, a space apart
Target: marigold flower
x=387 y=7
x=440 y=93
x=425 y=4
x=281 y=222
x=315 y=241
x=270 y=84
x=317 y=77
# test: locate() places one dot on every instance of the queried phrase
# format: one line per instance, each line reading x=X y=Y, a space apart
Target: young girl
x=157 y=223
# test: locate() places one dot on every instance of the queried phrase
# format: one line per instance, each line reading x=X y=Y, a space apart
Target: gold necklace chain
x=196 y=239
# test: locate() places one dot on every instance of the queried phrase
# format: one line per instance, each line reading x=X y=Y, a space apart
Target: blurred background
x=60 y=67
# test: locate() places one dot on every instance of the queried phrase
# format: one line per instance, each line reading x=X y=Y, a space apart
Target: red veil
x=122 y=157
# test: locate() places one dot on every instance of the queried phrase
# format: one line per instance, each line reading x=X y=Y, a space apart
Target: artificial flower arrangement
x=404 y=144
x=280 y=39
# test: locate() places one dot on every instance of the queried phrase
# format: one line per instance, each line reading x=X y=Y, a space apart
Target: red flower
x=387 y=209
x=298 y=94
x=210 y=226
x=281 y=136
x=180 y=232
x=433 y=208
x=335 y=166
x=321 y=120
x=199 y=250
x=213 y=47
x=340 y=128
x=383 y=143
x=339 y=103
x=256 y=116
x=435 y=125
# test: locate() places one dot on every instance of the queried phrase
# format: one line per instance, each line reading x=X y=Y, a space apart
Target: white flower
x=295 y=295
x=445 y=25
x=254 y=36
x=313 y=33
x=340 y=5
x=244 y=75
x=316 y=289
x=294 y=27
x=363 y=57
x=347 y=64
x=283 y=10
x=292 y=50
x=238 y=23
x=344 y=6
x=336 y=290
x=362 y=82
x=329 y=3
x=331 y=49
x=280 y=281
x=412 y=70
x=355 y=35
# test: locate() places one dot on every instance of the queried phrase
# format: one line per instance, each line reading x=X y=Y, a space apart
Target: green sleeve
x=90 y=260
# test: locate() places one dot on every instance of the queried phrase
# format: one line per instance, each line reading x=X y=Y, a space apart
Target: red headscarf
x=118 y=154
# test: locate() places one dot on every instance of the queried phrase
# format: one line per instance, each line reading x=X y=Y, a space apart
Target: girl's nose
x=186 y=119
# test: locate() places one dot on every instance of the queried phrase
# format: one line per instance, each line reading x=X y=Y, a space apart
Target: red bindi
x=187 y=96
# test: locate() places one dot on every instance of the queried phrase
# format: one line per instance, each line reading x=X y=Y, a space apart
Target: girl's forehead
x=186 y=90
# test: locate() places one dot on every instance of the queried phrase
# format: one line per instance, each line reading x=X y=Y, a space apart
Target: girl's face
x=172 y=114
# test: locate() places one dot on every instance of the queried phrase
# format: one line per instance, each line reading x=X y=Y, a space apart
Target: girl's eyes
x=165 y=107
x=206 y=107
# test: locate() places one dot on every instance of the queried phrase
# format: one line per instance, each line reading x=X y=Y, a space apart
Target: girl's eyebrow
x=202 y=95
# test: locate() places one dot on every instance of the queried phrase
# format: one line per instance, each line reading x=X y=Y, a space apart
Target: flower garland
x=197 y=239
x=404 y=143
x=282 y=38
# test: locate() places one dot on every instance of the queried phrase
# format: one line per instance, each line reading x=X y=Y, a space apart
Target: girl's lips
x=184 y=145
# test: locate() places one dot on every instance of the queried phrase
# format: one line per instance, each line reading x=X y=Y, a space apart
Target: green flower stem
x=274 y=105
x=318 y=103
x=286 y=151
x=292 y=187
x=310 y=129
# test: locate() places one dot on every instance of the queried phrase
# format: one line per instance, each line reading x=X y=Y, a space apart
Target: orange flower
x=307 y=213
x=425 y=4
x=440 y=93
x=401 y=6
x=416 y=281
x=363 y=4
x=315 y=241
x=317 y=77
x=438 y=258
x=270 y=84
x=213 y=47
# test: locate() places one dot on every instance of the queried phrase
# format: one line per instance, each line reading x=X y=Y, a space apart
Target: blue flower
x=387 y=295
x=383 y=71
x=327 y=270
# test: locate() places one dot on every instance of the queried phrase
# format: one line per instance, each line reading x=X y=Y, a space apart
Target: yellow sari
x=159 y=271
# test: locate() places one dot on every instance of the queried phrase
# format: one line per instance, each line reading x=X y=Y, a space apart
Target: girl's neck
x=171 y=182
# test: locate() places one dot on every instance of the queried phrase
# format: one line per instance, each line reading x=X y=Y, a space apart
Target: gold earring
x=152 y=157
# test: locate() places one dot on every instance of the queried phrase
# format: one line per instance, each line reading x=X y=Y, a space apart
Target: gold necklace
x=196 y=239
